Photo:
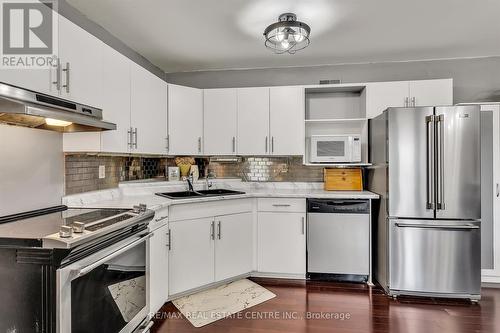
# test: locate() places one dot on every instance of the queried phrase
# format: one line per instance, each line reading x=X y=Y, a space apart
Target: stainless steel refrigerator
x=426 y=165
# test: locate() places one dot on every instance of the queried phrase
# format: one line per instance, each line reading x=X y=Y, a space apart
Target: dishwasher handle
x=345 y=206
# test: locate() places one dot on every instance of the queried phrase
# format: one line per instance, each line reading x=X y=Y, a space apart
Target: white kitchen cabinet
x=381 y=95
x=287 y=107
x=431 y=92
x=191 y=257
x=282 y=243
x=185 y=120
x=158 y=268
x=233 y=245
x=80 y=55
x=219 y=121
x=148 y=111
x=253 y=121
x=116 y=102
x=38 y=80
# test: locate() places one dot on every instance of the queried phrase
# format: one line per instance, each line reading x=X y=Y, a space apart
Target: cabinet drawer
x=209 y=209
x=281 y=205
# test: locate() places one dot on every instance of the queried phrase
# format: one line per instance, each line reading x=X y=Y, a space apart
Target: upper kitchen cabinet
x=81 y=65
x=253 y=121
x=431 y=92
x=220 y=121
x=148 y=111
x=38 y=80
x=287 y=105
x=116 y=102
x=381 y=95
x=185 y=120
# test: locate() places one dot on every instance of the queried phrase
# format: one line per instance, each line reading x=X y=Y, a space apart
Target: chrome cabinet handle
x=160 y=218
x=146 y=328
x=281 y=205
x=413 y=101
x=129 y=137
x=212 y=230
x=406 y=102
x=134 y=132
x=66 y=70
x=234 y=144
x=167 y=142
x=57 y=82
x=498 y=190
x=303 y=226
x=430 y=129
x=199 y=144
x=169 y=236
x=441 y=195
x=272 y=144
x=437 y=226
x=266 y=144
x=218 y=230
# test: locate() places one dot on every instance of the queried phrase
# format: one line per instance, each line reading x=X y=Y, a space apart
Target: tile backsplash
x=82 y=170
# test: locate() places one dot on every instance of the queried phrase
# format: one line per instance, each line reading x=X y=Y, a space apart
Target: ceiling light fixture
x=287 y=35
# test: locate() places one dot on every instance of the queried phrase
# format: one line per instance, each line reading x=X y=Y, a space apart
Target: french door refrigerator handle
x=430 y=131
x=441 y=195
x=437 y=226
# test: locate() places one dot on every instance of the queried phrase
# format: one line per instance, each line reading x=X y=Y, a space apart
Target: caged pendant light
x=287 y=35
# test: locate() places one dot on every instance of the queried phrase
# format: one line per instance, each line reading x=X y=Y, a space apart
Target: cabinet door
x=233 y=245
x=148 y=115
x=381 y=95
x=431 y=92
x=281 y=243
x=158 y=268
x=253 y=121
x=38 y=80
x=191 y=257
x=219 y=121
x=116 y=101
x=83 y=52
x=185 y=115
x=287 y=107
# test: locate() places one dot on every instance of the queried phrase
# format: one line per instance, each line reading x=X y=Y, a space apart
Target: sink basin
x=198 y=194
x=179 y=195
x=219 y=191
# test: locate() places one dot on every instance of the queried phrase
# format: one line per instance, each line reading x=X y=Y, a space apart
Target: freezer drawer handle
x=437 y=226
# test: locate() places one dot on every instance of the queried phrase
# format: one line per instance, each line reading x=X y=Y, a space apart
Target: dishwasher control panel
x=343 y=206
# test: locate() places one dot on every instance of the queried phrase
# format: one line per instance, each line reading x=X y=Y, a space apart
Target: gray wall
x=475 y=80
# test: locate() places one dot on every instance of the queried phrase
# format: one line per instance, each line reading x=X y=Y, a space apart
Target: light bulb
x=285 y=43
x=298 y=37
x=57 y=122
x=280 y=36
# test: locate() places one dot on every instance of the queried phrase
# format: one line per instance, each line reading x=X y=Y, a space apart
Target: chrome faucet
x=189 y=180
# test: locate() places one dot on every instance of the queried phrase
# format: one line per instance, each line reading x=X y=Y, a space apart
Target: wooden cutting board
x=343 y=179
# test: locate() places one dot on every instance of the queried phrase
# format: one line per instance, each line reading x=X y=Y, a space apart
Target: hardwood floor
x=358 y=308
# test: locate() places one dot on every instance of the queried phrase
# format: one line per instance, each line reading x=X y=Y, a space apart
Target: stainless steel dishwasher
x=338 y=243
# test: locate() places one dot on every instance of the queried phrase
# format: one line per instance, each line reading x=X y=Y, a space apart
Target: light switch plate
x=102 y=171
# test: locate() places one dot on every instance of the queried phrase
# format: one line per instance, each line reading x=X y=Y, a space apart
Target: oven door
x=330 y=149
x=106 y=291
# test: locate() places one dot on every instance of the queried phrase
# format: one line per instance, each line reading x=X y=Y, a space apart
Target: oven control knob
x=65 y=231
x=141 y=208
x=78 y=227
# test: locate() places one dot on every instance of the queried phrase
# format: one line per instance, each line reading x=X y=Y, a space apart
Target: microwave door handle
x=87 y=269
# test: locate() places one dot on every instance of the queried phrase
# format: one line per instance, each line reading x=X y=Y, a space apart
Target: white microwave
x=335 y=148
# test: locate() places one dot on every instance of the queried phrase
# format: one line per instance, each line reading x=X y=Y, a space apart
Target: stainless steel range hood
x=27 y=108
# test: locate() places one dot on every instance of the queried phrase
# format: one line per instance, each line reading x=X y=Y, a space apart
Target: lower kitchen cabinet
x=282 y=243
x=233 y=245
x=191 y=257
x=158 y=268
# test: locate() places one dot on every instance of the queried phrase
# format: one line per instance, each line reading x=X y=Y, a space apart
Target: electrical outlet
x=102 y=171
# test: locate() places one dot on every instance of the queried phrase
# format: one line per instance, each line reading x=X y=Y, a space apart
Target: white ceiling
x=188 y=35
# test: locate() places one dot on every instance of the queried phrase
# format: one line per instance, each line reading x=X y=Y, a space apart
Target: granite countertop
x=130 y=194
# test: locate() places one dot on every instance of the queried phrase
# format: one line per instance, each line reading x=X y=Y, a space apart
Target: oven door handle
x=87 y=269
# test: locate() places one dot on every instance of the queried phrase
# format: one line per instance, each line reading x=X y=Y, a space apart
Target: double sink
x=198 y=194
